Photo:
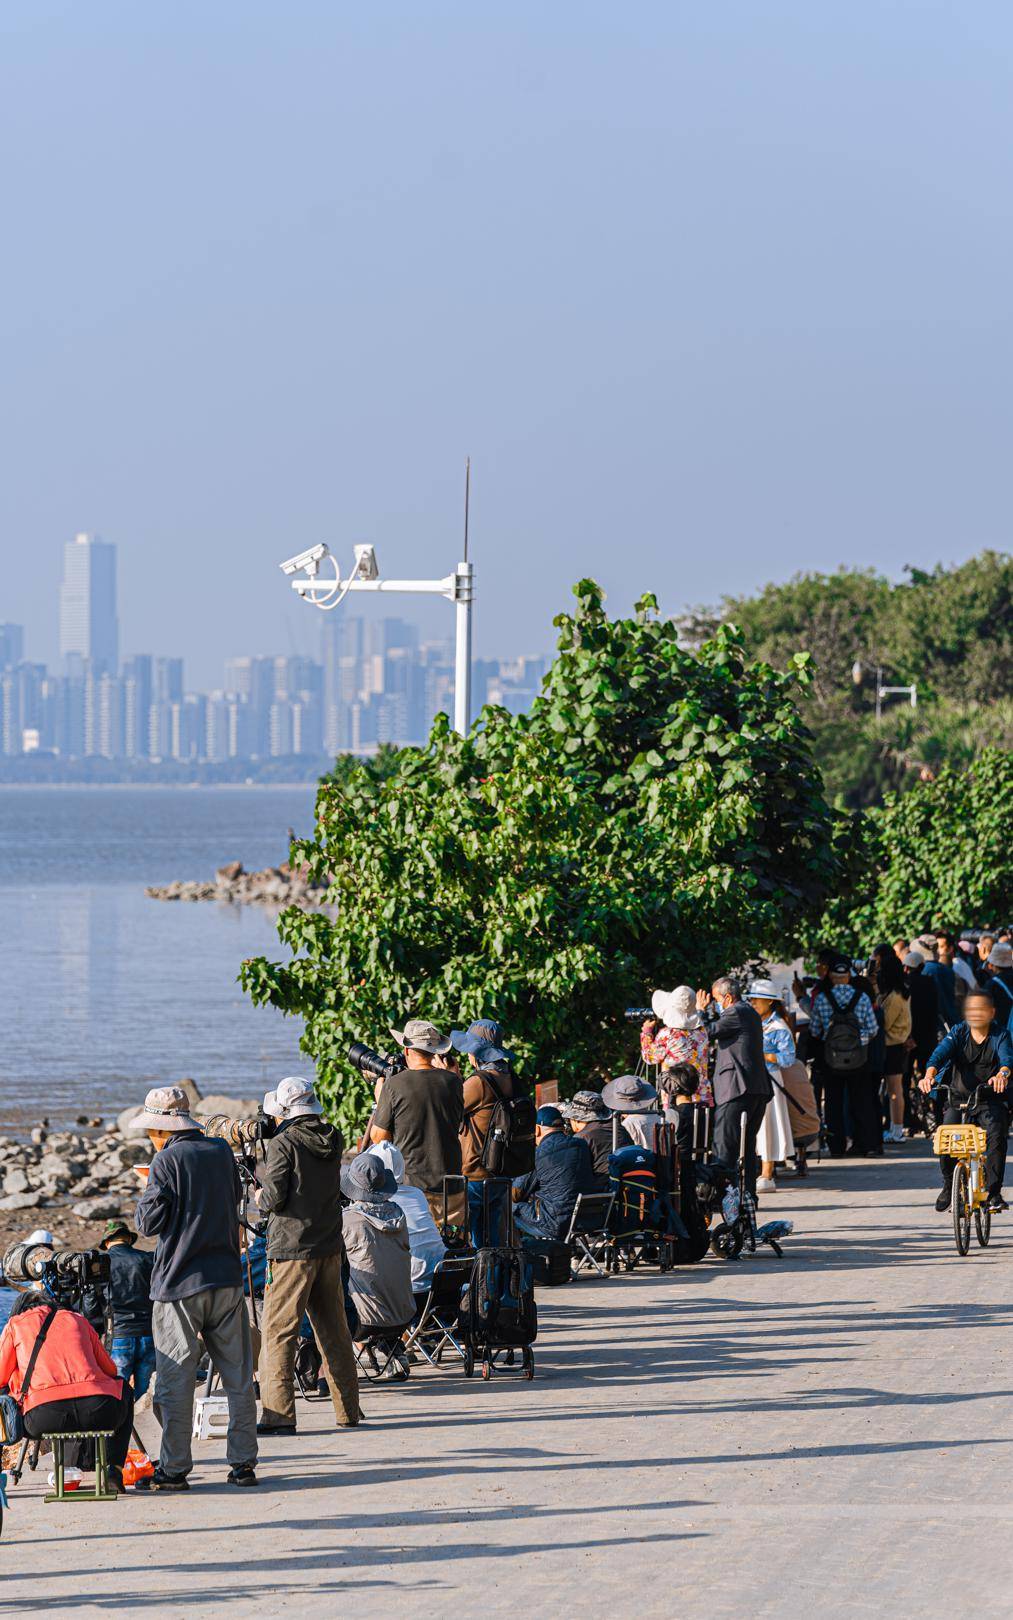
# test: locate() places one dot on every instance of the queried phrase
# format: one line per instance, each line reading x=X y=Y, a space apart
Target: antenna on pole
x=467 y=502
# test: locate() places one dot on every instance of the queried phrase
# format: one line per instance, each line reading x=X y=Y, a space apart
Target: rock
x=125 y=1154
x=125 y=1121
x=97 y=1209
x=15 y=1181
x=191 y=1088
x=88 y=1186
x=229 y=872
x=21 y=1200
x=234 y=1107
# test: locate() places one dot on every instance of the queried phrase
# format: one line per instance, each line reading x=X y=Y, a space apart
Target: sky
x=710 y=293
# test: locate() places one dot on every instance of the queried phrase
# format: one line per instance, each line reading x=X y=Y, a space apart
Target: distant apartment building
x=89 y=628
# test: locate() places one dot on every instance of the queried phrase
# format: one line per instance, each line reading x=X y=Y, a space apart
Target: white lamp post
x=458 y=587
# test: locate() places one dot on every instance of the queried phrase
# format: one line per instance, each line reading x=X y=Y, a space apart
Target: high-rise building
x=12 y=645
x=89 y=629
x=137 y=698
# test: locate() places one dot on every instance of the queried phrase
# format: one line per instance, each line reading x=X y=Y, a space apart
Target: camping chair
x=380 y=1352
x=435 y=1327
x=589 y=1233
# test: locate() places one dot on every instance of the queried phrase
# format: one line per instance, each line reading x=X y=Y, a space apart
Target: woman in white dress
x=774 y=1139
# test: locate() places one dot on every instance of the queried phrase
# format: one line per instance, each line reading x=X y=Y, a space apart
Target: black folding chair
x=435 y=1330
x=380 y=1352
x=590 y=1235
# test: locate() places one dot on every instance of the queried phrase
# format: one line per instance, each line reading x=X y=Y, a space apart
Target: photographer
x=420 y=1110
x=191 y=1204
x=132 y=1347
x=300 y=1193
x=62 y=1377
x=497 y=1102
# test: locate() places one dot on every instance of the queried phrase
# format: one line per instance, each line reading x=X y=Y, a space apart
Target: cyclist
x=977 y=1052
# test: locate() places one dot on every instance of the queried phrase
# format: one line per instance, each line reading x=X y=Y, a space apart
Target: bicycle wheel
x=983 y=1225
x=961 y=1210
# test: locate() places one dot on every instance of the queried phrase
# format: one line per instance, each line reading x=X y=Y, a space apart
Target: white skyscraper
x=89 y=629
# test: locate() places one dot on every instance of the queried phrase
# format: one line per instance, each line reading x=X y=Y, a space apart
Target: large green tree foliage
x=940 y=854
x=657 y=816
x=948 y=631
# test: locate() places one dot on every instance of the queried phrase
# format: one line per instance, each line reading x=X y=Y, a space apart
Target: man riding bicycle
x=977 y=1052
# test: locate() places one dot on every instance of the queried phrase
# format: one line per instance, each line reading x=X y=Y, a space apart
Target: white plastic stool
x=210 y=1416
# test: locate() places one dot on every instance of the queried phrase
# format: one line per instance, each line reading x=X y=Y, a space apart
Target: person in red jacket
x=74 y=1383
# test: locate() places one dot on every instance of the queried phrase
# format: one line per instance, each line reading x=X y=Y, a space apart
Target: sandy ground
x=767 y=1438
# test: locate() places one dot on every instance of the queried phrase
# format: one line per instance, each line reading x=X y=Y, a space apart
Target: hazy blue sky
x=709 y=292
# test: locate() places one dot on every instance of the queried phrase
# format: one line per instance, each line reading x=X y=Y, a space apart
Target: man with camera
x=191 y=1205
x=498 y=1129
x=420 y=1110
x=300 y=1193
x=132 y=1347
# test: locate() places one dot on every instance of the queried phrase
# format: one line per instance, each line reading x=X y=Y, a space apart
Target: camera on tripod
x=66 y=1275
x=373 y=1065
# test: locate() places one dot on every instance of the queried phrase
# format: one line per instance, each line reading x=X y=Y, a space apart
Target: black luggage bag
x=498 y=1315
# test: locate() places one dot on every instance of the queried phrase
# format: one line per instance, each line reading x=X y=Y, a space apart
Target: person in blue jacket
x=976 y=1052
x=545 y=1197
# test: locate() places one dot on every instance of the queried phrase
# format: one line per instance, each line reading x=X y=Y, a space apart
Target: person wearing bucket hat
x=544 y=1199
x=591 y=1120
x=637 y=1102
x=300 y=1193
x=191 y=1205
x=420 y=1110
x=676 y=1035
x=132 y=1346
x=999 y=969
x=774 y=1141
x=377 y=1246
x=498 y=1129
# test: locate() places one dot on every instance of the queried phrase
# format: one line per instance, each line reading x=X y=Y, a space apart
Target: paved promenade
x=762 y=1439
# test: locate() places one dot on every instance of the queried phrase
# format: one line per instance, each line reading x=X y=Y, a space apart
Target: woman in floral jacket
x=681 y=1037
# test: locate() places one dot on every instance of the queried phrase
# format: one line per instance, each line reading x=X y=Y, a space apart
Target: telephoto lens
x=26 y=1262
x=240 y=1134
x=636 y=1015
x=377 y=1064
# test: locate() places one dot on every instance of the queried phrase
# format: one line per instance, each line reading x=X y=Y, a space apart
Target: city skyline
x=374 y=681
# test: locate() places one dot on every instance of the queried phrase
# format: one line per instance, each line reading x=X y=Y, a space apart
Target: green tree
x=941 y=853
x=657 y=816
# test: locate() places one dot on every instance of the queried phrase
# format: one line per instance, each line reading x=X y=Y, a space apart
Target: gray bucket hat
x=628 y=1095
x=422 y=1036
x=585 y=1107
x=367 y=1180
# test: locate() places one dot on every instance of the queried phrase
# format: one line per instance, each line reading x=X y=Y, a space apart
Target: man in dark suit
x=742 y=1086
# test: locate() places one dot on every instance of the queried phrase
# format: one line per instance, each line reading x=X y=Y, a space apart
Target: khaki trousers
x=312 y=1287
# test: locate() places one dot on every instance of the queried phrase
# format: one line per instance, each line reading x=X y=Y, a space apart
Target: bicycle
x=966 y=1144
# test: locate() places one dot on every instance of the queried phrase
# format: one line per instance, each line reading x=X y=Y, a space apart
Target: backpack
x=1009 y=1003
x=498 y=1302
x=843 y=1051
x=509 y=1146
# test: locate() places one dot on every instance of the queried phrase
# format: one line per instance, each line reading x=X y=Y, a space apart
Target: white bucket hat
x=676 y=1008
x=167 y=1108
x=292 y=1096
x=764 y=990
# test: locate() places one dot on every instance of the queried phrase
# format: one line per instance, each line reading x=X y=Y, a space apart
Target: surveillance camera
x=310 y=560
x=366 y=566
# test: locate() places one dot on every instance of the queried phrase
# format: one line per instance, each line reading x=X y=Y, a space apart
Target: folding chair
x=589 y=1233
x=380 y=1352
x=434 y=1330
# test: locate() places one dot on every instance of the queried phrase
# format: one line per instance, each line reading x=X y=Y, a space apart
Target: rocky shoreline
x=283 y=885
x=66 y=1179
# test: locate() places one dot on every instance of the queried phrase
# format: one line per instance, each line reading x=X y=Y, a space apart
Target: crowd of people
x=753 y=1074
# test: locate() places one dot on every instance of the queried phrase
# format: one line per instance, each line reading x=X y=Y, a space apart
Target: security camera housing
x=310 y=560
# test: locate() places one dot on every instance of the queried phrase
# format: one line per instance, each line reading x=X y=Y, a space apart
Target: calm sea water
x=107 y=992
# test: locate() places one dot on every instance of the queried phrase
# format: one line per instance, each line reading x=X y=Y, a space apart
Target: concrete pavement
x=762 y=1438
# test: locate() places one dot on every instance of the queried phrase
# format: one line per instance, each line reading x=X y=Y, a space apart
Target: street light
x=857 y=674
x=329 y=592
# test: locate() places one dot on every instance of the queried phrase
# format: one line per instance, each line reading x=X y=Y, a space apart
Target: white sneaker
x=765 y=1184
x=897 y=1133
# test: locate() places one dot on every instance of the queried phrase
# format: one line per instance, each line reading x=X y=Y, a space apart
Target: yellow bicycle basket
x=959 y=1141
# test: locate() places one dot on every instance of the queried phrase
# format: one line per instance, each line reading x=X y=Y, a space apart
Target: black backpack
x=509 y=1146
x=843 y=1051
x=498 y=1302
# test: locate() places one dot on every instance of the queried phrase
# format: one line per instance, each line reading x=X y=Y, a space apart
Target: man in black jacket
x=742 y=1087
x=300 y=1193
x=591 y=1121
x=191 y=1205
x=545 y=1197
x=132 y=1347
